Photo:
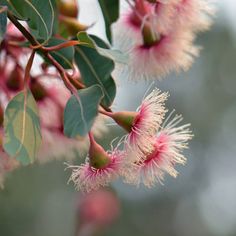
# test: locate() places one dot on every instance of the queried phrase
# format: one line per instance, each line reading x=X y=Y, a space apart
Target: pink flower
x=98 y=208
x=192 y=14
x=127 y=30
x=143 y=124
x=159 y=37
x=99 y=170
x=172 y=52
x=167 y=150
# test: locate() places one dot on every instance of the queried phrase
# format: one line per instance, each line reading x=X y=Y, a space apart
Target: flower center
x=159 y=148
x=150 y=37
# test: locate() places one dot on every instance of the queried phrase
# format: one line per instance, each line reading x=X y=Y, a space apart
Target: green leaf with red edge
x=22 y=135
x=110 y=11
x=81 y=111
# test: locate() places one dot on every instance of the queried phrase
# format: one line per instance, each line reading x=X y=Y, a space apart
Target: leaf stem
x=28 y=69
x=70 y=43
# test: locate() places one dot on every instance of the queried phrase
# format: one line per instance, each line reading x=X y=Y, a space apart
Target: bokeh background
x=37 y=201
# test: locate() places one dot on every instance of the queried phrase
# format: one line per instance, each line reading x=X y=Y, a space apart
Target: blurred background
x=37 y=201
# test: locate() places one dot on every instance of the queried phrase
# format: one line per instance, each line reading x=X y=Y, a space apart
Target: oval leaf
x=39 y=14
x=110 y=11
x=22 y=137
x=96 y=69
x=114 y=55
x=81 y=111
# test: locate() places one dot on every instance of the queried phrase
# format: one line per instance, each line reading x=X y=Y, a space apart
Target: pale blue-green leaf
x=40 y=15
x=96 y=69
x=81 y=111
x=110 y=10
x=22 y=135
x=113 y=54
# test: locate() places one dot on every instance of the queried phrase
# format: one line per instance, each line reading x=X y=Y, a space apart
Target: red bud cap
x=68 y=8
x=125 y=119
x=98 y=157
x=15 y=80
x=38 y=90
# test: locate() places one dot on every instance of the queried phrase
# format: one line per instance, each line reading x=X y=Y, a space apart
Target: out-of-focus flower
x=159 y=36
x=100 y=208
x=172 y=52
x=167 y=150
x=194 y=15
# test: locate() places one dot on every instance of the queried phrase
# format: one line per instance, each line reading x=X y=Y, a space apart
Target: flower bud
x=38 y=90
x=98 y=157
x=68 y=8
x=72 y=25
x=15 y=80
x=125 y=119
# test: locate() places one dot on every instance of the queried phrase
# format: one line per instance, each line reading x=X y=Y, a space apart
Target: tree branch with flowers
x=64 y=106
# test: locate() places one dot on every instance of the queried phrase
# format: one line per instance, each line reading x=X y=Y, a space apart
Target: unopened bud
x=15 y=80
x=125 y=119
x=72 y=25
x=38 y=90
x=97 y=155
x=68 y=8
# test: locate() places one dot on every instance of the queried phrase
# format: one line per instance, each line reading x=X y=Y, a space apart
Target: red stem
x=28 y=68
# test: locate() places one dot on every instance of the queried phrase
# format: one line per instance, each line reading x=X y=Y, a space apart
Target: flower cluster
x=151 y=148
x=159 y=35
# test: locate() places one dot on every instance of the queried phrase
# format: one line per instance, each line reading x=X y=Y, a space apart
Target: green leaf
x=3 y=22
x=39 y=14
x=64 y=56
x=81 y=111
x=96 y=69
x=114 y=55
x=22 y=137
x=110 y=10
